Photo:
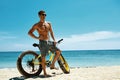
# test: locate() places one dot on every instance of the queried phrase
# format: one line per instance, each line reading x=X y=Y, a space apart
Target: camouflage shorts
x=45 y=46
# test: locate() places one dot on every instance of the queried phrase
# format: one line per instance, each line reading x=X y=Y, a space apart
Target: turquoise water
x=82 y=58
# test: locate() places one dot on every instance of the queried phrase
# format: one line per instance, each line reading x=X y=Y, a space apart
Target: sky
x=83 y=24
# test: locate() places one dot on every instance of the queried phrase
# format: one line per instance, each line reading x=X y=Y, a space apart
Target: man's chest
x=43 y=27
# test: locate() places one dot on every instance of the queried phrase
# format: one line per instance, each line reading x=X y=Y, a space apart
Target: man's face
x=42 y=16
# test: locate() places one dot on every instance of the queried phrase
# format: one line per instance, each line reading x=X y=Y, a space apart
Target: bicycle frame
x=39 y=62
x=51 y=56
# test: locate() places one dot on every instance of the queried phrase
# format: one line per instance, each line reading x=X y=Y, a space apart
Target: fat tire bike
x=29 y=62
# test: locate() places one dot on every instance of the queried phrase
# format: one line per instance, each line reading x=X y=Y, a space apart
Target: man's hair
x=41 y=12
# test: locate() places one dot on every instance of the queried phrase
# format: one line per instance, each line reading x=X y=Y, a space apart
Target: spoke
x=27 y=64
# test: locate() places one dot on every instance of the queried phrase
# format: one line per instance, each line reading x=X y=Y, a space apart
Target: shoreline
x=68 y=50
x=76 y=73
x=70 y=67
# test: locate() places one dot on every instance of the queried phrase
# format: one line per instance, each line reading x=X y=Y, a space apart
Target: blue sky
x=83 y=24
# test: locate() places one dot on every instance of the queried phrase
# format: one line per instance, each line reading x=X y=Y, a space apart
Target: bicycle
x=29 y=62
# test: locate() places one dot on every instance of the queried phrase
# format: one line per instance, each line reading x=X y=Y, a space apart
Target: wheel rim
x=64 y=63
x=28 y=65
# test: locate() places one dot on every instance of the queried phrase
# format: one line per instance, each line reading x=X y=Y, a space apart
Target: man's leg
x=55 y=59
x=44 y=66
x=44 y=50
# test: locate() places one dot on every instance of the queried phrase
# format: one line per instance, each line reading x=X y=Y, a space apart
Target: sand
x=82 y=73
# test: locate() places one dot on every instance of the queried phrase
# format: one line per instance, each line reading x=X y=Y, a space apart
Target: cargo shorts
x=45 y=46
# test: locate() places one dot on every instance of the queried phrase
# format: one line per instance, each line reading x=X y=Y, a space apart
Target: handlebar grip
x=60 y=40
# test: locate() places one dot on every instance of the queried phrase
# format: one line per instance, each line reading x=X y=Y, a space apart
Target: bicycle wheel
x=63 y=64
x=26 y=66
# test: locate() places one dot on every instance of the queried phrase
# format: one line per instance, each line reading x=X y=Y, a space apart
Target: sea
x=74 y=58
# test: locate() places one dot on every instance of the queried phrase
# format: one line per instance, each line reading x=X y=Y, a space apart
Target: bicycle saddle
x=35 y=45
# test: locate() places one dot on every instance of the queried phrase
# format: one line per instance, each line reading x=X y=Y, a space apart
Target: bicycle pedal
x=48 y=63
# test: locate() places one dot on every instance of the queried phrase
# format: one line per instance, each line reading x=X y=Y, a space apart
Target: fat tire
x=20 y=68
x=63 y=68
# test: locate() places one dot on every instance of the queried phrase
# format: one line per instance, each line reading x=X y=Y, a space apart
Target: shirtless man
x=43 y=28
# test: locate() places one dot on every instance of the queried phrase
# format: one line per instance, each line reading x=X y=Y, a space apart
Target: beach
x=76 y=73
x=84 y=65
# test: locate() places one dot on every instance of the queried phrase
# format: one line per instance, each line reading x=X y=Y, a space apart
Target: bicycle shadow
x=18 y=78
x=40 y=76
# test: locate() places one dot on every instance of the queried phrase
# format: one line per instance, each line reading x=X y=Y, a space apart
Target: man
x=44 y=28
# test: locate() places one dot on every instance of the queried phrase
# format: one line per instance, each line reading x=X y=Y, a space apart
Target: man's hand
x=55 y=43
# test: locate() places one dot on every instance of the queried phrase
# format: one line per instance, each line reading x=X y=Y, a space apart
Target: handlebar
x=37 y=45
x=60 y=40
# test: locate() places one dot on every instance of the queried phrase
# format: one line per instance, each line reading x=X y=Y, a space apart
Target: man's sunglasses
x=43 y=14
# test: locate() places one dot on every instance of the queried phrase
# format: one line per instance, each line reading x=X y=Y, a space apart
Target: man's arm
x=30 y=32
x=51 y=33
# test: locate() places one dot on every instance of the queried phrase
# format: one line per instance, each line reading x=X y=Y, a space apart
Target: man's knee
x=43 y=58
x=58 y=52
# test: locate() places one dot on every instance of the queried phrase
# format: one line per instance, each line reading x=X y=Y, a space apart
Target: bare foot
x=53 y=67
x=47 y=75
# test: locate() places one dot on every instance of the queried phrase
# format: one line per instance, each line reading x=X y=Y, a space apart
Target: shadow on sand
x=40 y=76
x=23 y=78
x=18 y=78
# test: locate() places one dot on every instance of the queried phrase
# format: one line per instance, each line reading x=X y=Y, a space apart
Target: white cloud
x=6 y=36
x=17 y=47
x=93 y=40
x=87 y=41
x=94 y=36
x=23 y=47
